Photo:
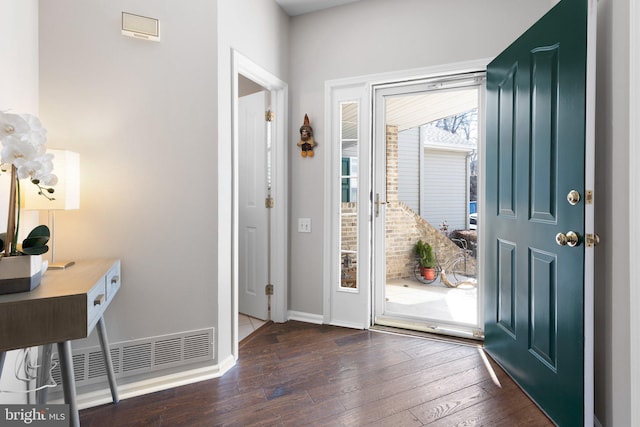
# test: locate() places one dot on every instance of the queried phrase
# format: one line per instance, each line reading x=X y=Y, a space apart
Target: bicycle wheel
x=463 y=271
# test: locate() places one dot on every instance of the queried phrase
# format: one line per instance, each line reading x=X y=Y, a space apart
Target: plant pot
x=429 y=273
x=21 y=273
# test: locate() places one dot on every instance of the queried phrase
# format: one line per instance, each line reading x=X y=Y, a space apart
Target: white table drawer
x=96 y=303
x=113 y=281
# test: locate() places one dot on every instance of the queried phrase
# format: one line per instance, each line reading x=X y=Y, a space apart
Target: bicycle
x=457 y=270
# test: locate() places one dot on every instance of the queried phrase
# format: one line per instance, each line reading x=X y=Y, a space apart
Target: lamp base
x=60 y=265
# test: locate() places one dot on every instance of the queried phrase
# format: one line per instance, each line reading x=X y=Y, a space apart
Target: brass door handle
x=573 y=197
x=570 y=239
x=378 y=203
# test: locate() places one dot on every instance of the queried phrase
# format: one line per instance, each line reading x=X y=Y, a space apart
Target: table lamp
x=66 y=166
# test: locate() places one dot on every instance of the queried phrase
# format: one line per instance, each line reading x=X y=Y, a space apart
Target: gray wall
x=152 y=124
x=142 y=115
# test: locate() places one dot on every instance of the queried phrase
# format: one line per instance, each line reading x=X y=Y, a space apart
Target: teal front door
x=537 y=324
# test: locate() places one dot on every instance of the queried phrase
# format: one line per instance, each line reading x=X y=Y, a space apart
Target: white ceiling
x=299 y=7
x=409 y=111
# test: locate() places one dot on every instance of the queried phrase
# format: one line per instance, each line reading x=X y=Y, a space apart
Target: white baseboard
x=154 y=384
x=346 y=325
x=318 y=319
x=305 y=317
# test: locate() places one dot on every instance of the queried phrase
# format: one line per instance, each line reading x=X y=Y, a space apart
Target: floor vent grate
x=138 y=356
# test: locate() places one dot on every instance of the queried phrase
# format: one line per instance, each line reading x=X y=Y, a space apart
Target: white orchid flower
x=37 y=134
x=17 y=150
x=34 y=122
x=28 y=169
x=47 y=179
x=47 y=162
x=44 y=173
x=12 y=124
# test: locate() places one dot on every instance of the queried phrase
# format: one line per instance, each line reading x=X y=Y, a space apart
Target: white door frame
x=634 y=207
x=379 y=92
x=331 y=312
x=278 y=89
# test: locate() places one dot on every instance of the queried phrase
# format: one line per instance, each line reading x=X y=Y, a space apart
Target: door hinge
x=588 y=197
x=269 y=116
x=268 y=290
x=592 y=240
x=269 y=203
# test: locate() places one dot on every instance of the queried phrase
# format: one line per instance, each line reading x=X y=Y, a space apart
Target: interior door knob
x=570 y=239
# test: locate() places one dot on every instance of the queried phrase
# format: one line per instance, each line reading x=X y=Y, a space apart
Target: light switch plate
x=304 y=225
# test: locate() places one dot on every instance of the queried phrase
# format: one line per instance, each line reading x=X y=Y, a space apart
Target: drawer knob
x=99 y=300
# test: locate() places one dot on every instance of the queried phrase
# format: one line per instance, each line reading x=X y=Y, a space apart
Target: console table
x=66 y=306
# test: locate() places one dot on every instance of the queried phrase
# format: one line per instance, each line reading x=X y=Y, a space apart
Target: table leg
x=106 y=354
x=44 y=363
x=2 y=357
x=68 y=381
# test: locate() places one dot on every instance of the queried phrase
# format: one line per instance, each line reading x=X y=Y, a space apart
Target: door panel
x=253 y=218
x=347 y=264
x=534 y=310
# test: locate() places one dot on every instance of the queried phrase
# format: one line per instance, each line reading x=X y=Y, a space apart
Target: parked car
x=473 y=221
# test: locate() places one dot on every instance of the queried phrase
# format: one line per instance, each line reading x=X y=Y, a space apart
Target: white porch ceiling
x=300 y=7
x=409 y=111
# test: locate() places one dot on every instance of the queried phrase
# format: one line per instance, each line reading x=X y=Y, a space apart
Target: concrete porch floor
x=434 y=301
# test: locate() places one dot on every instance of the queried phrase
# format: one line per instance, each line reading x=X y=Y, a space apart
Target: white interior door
x=253 y=215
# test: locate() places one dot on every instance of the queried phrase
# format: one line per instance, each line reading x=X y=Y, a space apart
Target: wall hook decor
x=306 y=143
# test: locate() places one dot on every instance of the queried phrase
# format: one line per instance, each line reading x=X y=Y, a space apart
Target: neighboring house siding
x=409 y=168
x=445 y=188
x=350 y=151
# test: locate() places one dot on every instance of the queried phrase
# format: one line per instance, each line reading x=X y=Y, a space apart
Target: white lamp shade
x=66 y=166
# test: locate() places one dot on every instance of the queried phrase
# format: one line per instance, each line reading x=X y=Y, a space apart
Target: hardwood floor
x=300 y=374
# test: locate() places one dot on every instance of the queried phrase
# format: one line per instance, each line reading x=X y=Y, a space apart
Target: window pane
x=349 y=196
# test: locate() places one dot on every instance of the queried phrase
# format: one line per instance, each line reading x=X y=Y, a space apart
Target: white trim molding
x=589 y=217
x=634 y=206
x=279 y=214
x=300 y=316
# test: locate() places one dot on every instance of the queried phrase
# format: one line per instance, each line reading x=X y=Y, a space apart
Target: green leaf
x=36 y=241
x=37 y=250
x=32 y=242
x=40 y=231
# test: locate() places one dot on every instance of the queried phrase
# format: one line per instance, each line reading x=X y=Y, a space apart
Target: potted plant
x=23 y=156
x=427 y=259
